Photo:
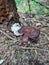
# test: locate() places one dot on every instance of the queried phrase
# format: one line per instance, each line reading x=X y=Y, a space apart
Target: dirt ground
x=15 y=53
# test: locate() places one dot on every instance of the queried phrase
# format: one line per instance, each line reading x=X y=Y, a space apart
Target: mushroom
x=29 y=32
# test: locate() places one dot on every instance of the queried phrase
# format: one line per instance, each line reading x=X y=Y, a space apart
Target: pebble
x=38 y=24
x=1 y=61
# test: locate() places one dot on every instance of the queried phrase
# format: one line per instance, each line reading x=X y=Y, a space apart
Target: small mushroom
x=29 y=32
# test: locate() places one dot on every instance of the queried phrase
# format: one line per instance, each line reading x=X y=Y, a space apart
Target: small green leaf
x=36 y=52
x=10 y=41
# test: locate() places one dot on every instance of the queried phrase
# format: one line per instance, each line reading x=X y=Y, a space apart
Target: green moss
x=35 y=7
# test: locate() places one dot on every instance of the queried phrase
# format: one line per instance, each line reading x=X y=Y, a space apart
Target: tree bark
x=7 y=8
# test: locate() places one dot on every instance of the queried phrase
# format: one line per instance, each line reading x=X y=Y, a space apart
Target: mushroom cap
x=26 y=30
x=29 y=31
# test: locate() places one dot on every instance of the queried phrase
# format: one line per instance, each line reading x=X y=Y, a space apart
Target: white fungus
x=14 y=28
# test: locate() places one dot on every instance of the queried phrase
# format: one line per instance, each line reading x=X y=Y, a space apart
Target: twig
x=8 y=35
x=27 y=48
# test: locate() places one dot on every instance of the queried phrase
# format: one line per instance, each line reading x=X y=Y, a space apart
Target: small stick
x=8 y=36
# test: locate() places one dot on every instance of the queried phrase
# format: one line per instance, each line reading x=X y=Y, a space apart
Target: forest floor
x=15 y=53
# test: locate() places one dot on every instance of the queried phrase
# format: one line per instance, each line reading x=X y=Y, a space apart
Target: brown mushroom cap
x=29 y=32
x=26 y=30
